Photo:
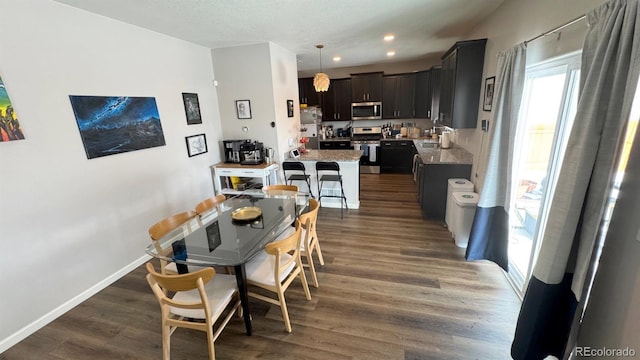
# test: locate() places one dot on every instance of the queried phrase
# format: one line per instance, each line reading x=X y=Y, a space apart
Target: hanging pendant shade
x=321 y=80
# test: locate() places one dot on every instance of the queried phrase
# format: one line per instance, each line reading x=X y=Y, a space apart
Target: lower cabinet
x=433 y=180
x=396 y=156
x=335 y=145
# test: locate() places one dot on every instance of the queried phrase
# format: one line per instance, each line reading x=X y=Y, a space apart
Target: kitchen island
x=349 y=169
x=432 y=173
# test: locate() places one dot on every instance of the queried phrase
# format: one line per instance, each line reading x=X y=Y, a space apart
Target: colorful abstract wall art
x=116 y=124
x=9 y=126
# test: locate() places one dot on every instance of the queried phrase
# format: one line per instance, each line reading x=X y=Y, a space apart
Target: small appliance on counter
x=251 y=153
x=232 y=150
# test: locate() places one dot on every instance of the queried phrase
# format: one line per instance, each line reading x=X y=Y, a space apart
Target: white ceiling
x=351 y=29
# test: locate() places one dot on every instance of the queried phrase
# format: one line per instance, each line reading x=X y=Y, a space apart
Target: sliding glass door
x=545 y=121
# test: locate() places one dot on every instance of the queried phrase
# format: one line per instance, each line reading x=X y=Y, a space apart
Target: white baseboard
x=23 y=333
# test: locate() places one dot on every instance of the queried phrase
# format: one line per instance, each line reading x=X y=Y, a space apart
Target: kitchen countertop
x=436 y=155
x=331 y=155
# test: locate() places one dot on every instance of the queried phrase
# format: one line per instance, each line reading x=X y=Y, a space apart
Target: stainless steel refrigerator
x=310 y=119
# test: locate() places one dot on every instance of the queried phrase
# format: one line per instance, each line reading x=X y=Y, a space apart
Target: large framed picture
x=196 y=144
x=489 y=84
x=243 y=109
x=112 y=125
x=192 y=108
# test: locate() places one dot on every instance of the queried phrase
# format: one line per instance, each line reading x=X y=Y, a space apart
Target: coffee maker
x=232 y=150
x=251 y=153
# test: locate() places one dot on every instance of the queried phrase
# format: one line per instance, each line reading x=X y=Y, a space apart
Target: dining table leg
x=241 y=278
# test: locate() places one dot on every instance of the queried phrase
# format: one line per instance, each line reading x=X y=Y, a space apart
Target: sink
x=429 y=145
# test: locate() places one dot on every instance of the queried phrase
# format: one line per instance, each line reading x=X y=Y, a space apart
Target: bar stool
x=327 y=166
x=296 y=166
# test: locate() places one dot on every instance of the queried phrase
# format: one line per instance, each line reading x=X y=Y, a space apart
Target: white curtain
x=609 y=74
x=489 y=237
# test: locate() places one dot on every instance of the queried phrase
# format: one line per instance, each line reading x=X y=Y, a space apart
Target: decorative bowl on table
x=247 y=214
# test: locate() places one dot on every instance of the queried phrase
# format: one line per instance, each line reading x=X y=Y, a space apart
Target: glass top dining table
x=217 y=239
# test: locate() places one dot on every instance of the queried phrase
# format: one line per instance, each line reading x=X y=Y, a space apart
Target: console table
x=249 y=176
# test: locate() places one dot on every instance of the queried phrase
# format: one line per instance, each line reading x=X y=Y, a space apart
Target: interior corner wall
x=514 y=22
x=285 y=87
x=244 y=73
x=69 y=225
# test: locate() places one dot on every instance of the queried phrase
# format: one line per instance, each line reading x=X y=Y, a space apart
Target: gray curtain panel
x=489 y=236
x=609 y=75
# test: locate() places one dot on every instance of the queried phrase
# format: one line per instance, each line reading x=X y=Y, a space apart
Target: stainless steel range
x=367 y=139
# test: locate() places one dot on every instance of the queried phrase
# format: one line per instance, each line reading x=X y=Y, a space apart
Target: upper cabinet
x=366 y=87
x=397 y=96
x=427 y=93
x=307 y=92
x=336 y=104
x=461 y=84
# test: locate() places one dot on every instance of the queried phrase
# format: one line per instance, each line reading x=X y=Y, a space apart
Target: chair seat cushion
x=303 y=246
x=261 y=268
x=219 y=290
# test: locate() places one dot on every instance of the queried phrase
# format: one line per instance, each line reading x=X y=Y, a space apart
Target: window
x=546 y=116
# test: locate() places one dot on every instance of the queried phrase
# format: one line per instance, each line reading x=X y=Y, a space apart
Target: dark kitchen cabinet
x=366 y=87
x=335 y=145
x=397 y=96
x=427 y=93
x=336 y=102
x=307 y=92
x=396 y=156
x=433 y=181
x=461 y=84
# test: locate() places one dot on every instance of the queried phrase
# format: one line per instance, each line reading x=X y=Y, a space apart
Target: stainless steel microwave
x=366 y=110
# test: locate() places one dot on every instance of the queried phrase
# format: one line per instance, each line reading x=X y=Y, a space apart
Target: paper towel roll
x=446 y=140
x=373 y=152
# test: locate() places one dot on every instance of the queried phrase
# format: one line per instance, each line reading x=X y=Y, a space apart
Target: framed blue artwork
x=112 y=125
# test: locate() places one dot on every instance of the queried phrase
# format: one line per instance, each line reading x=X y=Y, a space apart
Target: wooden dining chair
x=209 y=203
x=162 y=228
x=280 y=187
x=310 y=238
x=275 y=268
x=201 y=295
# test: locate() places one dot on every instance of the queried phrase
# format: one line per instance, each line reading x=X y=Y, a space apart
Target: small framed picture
x=489 y=84
x=192 y=108
x=290 y=108
x=243 y=109
x=196 y=144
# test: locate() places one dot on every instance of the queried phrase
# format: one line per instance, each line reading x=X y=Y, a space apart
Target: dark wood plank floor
x=393 y=286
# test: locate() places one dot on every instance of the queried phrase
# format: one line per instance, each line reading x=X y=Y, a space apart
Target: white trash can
x=463 y=212
x=455 y=184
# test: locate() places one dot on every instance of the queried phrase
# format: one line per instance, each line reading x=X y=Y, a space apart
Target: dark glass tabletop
x=216 y=239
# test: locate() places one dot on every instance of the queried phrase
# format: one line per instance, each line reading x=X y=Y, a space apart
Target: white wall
x=514 y=22
x=70 y=225
x=284 y=70
x=265 y=74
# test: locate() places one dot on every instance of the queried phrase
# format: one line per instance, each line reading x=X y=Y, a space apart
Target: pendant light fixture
x=321 y=80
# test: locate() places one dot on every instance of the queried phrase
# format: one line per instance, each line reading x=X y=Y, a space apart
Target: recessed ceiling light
x=391 y=53
x=389 y=37
x=337 y=58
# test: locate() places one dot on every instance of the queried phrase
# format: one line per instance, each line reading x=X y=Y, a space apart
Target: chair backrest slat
x=181 y=282
x=293 y=165
x=210 y=203
x=280 y=187
x=164 y=226
x=327 y=166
